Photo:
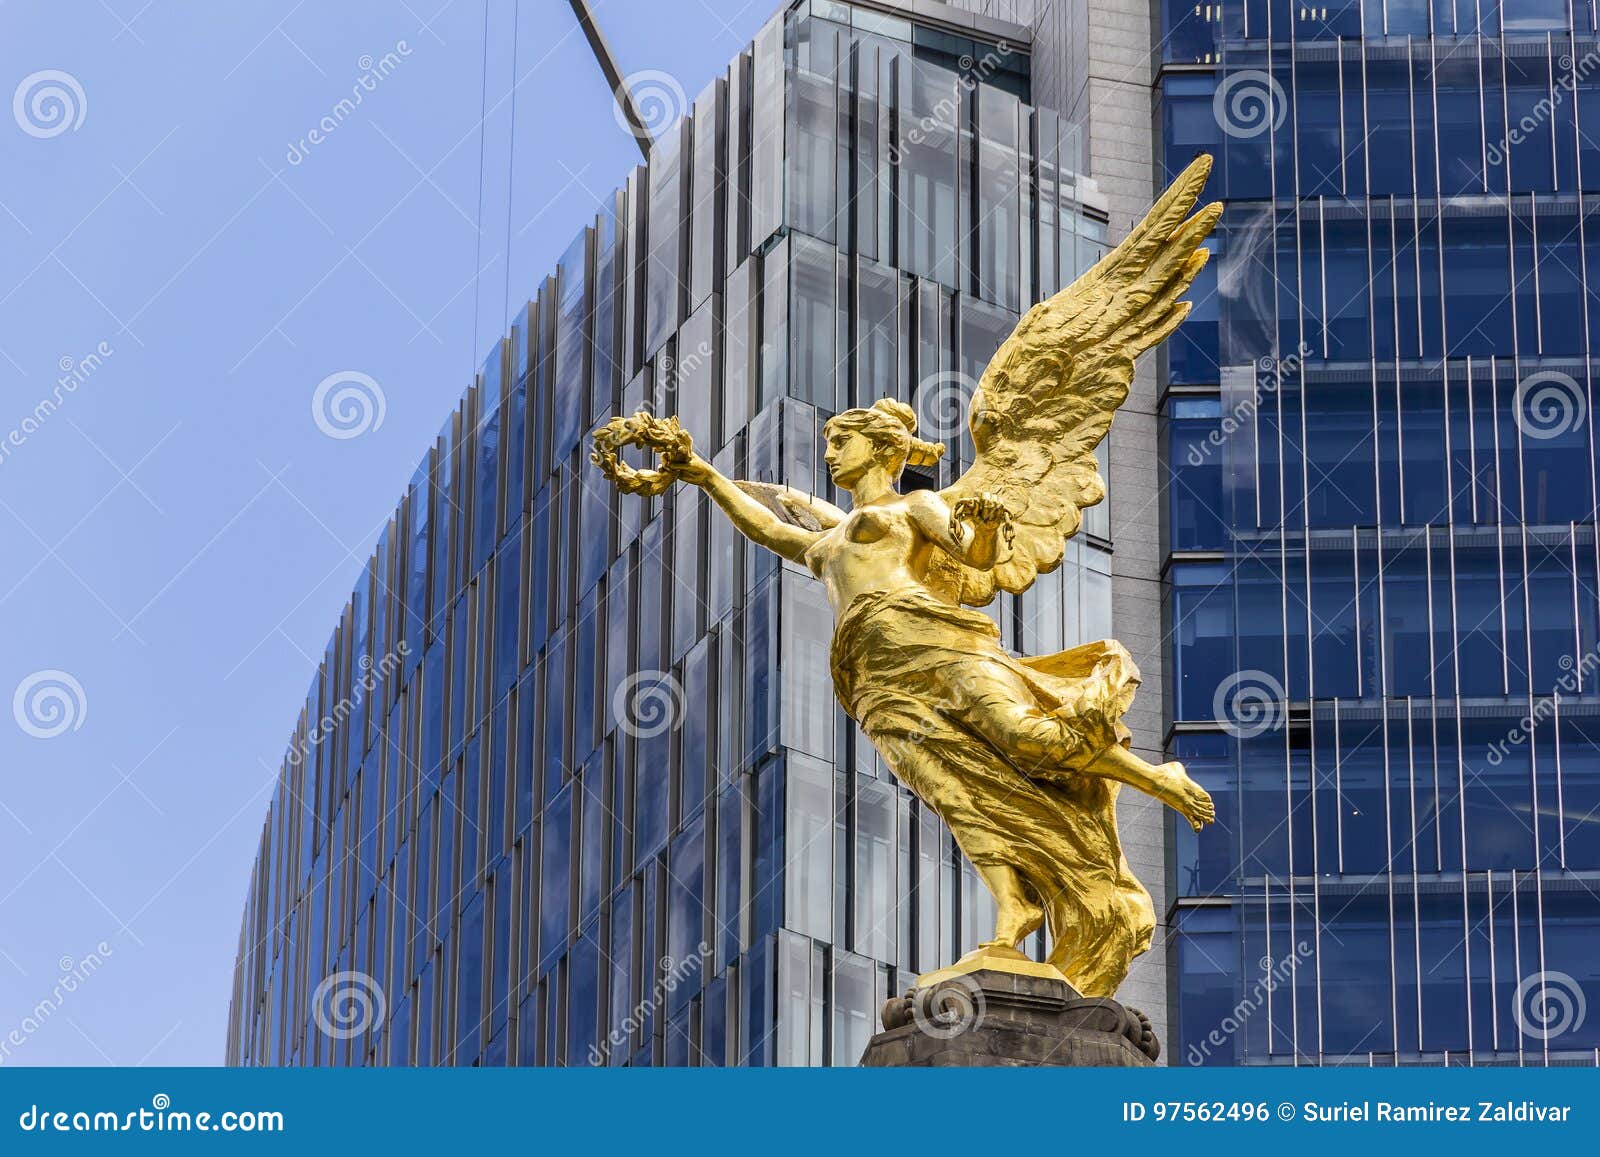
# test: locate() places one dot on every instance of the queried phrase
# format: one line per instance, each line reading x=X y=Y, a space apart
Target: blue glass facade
x=570 y=786
x=1380 y=533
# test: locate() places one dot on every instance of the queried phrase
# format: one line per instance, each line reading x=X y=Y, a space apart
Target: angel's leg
x=1041 y=745
x=1167 y=782
x=1017 y=915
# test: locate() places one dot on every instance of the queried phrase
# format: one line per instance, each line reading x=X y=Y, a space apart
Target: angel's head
x=880 y=435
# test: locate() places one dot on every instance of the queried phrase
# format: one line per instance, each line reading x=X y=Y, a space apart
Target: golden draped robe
x=910 y=669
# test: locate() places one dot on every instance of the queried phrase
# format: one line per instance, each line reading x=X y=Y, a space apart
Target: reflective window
x=469 y=984
x=665 y=260
x=1208 y=967
x=1194 y=474
x=813 y=281
x=1189 y=31
x=569 y=392
x=1208 y=860
x=555 y=834
x=815 y=121
x=1202 y=637
x=928 y=170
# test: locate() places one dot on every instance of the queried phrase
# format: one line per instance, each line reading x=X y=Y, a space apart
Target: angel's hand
x=691 y=468
x=986 y=514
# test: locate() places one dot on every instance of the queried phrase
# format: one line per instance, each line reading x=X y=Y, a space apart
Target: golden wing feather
x=1047 y=397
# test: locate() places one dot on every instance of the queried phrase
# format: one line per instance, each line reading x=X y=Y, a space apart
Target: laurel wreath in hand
x=664 y=437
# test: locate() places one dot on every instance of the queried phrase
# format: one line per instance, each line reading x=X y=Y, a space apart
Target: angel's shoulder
x=920 y=501
x=917 y=505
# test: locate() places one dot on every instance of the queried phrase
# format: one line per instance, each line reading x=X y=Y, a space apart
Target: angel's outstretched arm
x=757 y=523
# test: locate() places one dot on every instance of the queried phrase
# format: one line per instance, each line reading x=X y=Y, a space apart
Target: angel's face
x=849 y=456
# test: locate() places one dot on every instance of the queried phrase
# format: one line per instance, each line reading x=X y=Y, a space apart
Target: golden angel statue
x=1021 y=758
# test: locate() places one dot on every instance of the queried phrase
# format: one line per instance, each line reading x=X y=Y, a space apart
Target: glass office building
x=1381 y=542
x=570 y=786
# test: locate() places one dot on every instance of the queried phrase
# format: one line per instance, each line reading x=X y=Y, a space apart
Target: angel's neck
x=876 y=487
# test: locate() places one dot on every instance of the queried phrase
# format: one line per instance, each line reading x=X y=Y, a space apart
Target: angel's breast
x=870 y=550
x=819 y=552
x=863 y=549
x=869 y=526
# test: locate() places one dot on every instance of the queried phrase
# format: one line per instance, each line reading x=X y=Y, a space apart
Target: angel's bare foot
x=1014 y=923
x=1186 y=796
x=1016 y=914
x=1167 y=782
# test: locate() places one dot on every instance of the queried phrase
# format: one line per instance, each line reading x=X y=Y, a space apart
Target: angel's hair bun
x=899 y=411
x=891 y=426
x=918 y=452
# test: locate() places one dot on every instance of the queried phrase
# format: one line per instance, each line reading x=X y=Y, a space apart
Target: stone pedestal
x=988 y=1017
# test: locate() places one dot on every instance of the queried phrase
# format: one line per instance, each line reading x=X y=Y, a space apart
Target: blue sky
x=178 y=534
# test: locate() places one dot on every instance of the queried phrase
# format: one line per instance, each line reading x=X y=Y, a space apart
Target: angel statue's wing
x=795 y=507
x=1047 y=397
